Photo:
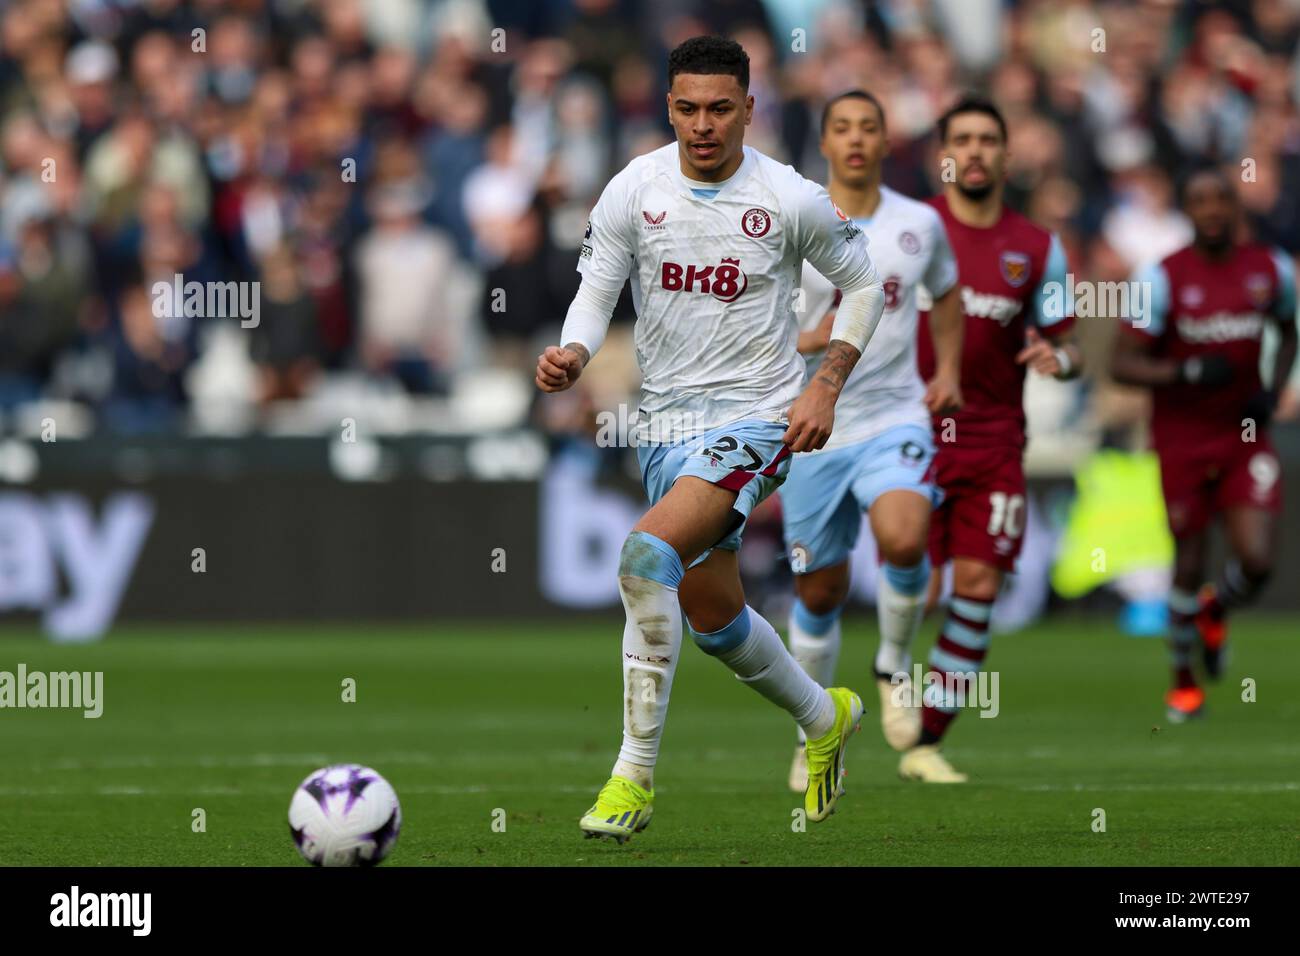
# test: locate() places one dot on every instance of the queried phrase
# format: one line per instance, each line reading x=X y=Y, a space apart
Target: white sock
x=652 y=642
x=815 y=645
x=761 y=661
x=899 y=615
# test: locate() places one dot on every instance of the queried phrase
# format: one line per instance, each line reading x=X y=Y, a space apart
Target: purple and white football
x=345 y=815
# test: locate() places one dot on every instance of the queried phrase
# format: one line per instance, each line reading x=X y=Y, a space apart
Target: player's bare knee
x=904 y=549
x=822 y=593
x=900 y=525
x=821 y=599
x=709 y=613
x=980 y=591
x=980 y=583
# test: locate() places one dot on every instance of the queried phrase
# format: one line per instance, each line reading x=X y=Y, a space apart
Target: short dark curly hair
x=971 y=103
x=710 y=56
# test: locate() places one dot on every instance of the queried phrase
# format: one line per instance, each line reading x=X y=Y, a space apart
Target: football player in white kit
x=878 y=458
x=713 y=236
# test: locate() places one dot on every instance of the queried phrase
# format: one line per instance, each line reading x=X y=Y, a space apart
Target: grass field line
x=425 y=758
x=127 y=790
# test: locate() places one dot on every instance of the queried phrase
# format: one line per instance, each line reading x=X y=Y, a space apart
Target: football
x=344 y=815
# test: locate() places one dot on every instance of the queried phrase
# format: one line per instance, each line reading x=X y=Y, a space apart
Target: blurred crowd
x=408 y=180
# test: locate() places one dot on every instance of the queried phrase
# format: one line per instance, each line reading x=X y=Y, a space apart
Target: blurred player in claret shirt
x=1197 y=345
x=1012 y=292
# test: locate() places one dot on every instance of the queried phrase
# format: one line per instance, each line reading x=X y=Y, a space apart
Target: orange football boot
x=1184 y=703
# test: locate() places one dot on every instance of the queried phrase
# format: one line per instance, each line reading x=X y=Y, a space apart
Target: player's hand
x=943 y=394
x=1211 y=370
x=557 y=368
x=811 y=417
x=1039 y=354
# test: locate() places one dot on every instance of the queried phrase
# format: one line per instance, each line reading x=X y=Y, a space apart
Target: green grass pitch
x=466 y=721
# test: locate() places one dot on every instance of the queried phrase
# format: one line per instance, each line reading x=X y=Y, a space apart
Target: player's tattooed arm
x=837 y=365
x=813 y=413
x=580 y=350
x=558 y=368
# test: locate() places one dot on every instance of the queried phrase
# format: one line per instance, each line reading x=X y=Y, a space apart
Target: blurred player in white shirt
x=878 y=459
x=713 y=236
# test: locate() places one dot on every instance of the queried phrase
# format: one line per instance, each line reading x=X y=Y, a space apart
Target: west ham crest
x=1260 y=289
x=1015 y=268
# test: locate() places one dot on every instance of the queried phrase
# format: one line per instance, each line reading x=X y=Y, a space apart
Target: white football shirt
x=713 y=281
x=909 y=247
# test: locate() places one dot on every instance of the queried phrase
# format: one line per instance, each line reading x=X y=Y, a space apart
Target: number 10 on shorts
x=1006 y=514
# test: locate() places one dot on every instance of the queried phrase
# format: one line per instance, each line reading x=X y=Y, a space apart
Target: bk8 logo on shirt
x=724 y=282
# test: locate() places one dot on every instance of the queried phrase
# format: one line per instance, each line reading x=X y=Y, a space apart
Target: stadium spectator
x=497 y=195
x=286 y=343
x=404 y=269
x=150 y=356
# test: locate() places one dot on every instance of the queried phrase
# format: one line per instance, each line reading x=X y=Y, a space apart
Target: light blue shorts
x=823 y=499
x=747 y=457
